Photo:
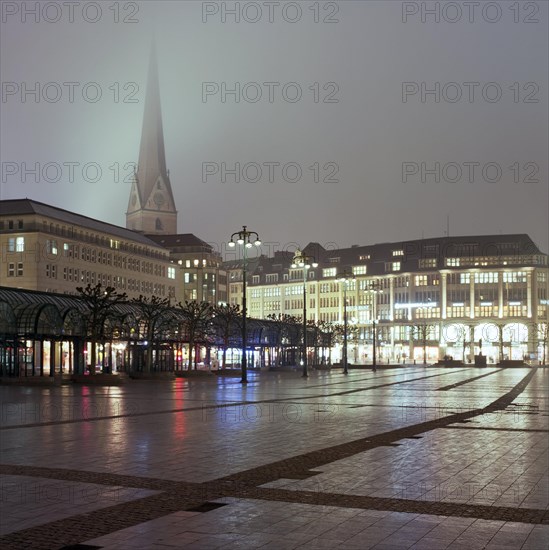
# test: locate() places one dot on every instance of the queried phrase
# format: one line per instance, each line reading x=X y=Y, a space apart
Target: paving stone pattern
x=411 y=458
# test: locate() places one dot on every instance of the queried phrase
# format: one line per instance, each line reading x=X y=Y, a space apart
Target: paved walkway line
x=454 y=509
x=99 y=478
x=525 y=430
x=468 y=381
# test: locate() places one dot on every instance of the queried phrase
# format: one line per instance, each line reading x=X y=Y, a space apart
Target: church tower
x=151 y=208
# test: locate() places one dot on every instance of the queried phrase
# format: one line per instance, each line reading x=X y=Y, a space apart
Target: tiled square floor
x=387 y=460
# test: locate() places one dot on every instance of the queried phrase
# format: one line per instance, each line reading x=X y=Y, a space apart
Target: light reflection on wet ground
x=195 y=430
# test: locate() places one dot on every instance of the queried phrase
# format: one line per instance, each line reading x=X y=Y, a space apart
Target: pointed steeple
x=151 y=207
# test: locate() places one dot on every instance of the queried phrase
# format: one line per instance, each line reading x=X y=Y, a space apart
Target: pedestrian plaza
x=409 y=457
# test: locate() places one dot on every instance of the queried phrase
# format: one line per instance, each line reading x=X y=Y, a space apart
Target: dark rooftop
x=15 y=207
x=408 y=254
x=180 y=240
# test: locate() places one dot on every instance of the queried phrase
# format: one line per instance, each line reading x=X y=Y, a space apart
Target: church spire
x=151 y=208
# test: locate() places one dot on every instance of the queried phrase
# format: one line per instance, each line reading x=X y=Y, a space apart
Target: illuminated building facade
x=455 y=297
x=200 y=269
x=53 y=250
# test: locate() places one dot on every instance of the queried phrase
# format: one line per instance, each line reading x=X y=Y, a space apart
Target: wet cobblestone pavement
x=409 y=458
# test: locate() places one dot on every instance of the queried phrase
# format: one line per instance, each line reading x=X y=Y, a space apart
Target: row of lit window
x=102 y=241
x=197 y=263
x=364 y=317
x=328 y=287
x=17 y=244
x=427 y=296
x=419 y=280
x=147 y=287
x=329 y=302
x=488 y=277
x=91 y=277
x=332 y=271
x=456 y=278
x=292 y=290
x=455 y=310
x=293 y=304
x=273 y=291
x=495 y=260
x=486 y=311
x=427 y=280
x=329 y=317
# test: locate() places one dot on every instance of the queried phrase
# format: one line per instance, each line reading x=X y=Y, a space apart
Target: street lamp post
x=244 y=238
x=345 y=278
x=374 y=288
x=305 y=262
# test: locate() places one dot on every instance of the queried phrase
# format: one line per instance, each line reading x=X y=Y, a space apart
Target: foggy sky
x=368 y=133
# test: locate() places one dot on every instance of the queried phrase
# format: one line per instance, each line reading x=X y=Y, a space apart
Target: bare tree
x=152 y=315
x=330 y=334
x=421 y=333
x=353 y=333
x=313 y=339
x=100 y=302
x=287 y=328
x=197 y=317
x=226 y=319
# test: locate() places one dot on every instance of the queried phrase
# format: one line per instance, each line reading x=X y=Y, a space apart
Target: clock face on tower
x=159 y=199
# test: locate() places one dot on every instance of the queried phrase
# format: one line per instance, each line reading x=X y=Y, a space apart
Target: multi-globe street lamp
x=374 y=288
x=305 y=262
x=345 y=277
x=246 y=239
